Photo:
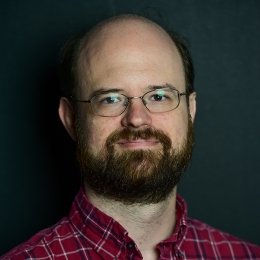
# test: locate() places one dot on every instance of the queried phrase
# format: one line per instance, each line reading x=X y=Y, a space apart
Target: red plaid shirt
x=90 y=234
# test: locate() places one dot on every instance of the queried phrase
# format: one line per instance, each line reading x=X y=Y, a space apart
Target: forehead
x=130 y=48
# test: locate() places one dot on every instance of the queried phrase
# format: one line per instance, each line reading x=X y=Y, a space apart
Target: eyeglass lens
x=114 y=104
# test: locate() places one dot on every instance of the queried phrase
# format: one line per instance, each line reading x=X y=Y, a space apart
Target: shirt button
x=179 y=254
x=130 y=245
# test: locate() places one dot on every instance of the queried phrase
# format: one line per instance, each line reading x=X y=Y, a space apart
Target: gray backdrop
x=38 y=177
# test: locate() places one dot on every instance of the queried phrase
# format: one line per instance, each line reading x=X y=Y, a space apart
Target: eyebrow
x=151 y=87
x=105 y=91
x=166 y=85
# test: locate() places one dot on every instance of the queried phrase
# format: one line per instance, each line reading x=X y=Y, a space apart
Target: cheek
x=97 y=131
x=175 y=125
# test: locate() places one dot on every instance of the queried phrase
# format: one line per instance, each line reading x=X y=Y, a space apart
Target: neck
x=147 y=224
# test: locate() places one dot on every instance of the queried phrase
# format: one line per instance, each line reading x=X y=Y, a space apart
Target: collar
x=103 y=232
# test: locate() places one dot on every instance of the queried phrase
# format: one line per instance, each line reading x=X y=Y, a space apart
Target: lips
x=138 y=139
x=138 y=143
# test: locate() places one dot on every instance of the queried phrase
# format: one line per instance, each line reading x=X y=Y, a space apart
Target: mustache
x=147 y=133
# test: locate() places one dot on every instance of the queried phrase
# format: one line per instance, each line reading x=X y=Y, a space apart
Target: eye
x=158 y=95
x=108 y=99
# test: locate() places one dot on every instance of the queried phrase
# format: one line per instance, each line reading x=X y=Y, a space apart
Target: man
x=130 y=108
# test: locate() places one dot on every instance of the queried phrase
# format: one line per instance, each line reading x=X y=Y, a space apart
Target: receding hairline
x=85 y=45
x=112 y=22
x=76 y=51
x=120 y=19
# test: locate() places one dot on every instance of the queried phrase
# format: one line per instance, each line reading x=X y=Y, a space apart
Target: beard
x=135 y=176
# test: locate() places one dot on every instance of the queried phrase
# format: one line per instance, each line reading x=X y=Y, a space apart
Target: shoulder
x=44 y=243
x=223 y=244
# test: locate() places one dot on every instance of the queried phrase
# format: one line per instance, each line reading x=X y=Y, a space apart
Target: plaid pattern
x=90 y=234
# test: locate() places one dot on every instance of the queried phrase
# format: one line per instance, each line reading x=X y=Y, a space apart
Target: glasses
x=111 y=104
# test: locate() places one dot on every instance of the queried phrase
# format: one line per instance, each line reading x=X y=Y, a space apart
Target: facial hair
x=135 y=176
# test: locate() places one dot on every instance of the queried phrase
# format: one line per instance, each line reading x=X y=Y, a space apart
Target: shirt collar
x=102 y=231
x=181 y=222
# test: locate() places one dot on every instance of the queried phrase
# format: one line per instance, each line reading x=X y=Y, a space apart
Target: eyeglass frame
x=179 y=95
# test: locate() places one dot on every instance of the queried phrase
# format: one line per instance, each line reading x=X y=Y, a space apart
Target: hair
x=72 y=50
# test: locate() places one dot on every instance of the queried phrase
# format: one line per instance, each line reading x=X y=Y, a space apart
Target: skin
x=132 y=55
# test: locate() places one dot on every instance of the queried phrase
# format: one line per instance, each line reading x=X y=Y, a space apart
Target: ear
x=67 y=117
x=192 y=105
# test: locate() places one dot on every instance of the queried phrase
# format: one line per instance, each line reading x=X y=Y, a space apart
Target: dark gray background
x=38 y=178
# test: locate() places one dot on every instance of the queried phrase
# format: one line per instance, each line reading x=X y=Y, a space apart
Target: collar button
x=130 y=245
x=179 y=254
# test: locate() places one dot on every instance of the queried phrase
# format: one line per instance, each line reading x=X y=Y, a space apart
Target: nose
x=136 y=115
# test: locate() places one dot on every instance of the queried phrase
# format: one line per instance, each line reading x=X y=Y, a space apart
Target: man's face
x=132 y=58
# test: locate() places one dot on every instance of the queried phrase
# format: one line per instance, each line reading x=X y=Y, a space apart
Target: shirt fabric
x=88 y=233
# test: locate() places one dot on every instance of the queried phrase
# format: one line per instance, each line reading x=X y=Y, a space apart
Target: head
x=137 y=156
